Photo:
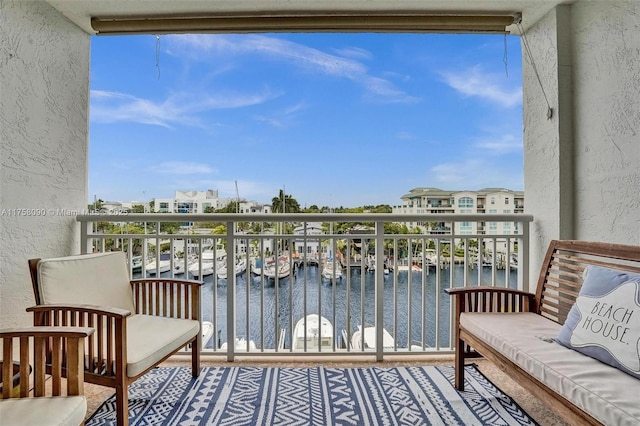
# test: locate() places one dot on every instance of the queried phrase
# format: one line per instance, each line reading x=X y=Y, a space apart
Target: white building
x=484 y=201
x=199 y=201
x=310 y=247
x=190 y=202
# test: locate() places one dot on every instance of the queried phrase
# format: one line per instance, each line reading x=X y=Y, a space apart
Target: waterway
x=410 y=303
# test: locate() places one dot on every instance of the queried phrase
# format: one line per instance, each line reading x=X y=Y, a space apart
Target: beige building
x=425 y=201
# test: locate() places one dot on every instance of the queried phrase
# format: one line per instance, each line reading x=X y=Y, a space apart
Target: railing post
x=523 y=260
x=231 y=291
x=84 y=237
x=379 y=295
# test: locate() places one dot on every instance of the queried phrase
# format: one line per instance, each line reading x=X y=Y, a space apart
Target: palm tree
x=284 y=204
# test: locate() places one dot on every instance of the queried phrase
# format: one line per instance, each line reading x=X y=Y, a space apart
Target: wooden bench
x=559 y=282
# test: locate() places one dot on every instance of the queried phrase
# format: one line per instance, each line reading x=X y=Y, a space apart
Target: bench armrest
x=490 y=299
x=167 y=297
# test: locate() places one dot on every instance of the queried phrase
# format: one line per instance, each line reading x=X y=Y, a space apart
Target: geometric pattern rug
x=314 y=396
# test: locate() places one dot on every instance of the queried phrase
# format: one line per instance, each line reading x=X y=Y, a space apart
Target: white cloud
x=180 y=108
x=354 y=52
x=501 y=144
x=405 y=135
x=283 y=117
x=480 y=172
x=379 y=89
x=182 y=168
x=473 y=82
x=200 y=46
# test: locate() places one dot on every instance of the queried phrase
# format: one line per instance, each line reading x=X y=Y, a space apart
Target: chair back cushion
x=92 y=279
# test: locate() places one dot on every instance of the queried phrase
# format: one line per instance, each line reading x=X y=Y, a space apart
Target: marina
x=266 y=314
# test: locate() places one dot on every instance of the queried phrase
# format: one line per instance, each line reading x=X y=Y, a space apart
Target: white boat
x=207 y=332
x=206 y=329
x=136 y=263
x=371 y=267
x=165 y=264
x=370 y=338
x=280 y=269
x=315 y=330
x=211 y=259
x=331 y=270
x=239 y=268
x=256 y=266
x=241 y=345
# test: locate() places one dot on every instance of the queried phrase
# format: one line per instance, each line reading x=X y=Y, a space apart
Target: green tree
x=284 y=203
x=232 y=207
x=137 y=208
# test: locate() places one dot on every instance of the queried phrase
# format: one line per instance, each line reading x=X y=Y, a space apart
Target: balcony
x=377 y=280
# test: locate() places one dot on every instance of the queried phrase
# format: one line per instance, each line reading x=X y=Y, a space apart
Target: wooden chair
x=46 y=405
x=139 y=323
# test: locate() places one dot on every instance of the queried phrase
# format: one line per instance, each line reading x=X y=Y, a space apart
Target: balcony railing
x=380 y=292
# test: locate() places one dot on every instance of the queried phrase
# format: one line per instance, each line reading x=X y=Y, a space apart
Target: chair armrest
x=167 y=297
x=89 y=309
x=105 y=348
x=67 y=359
x=74 y=332
x=490 y=299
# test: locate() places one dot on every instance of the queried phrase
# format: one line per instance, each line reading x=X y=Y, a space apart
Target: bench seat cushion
x=527 y=339
x=151 y=338
x=43 y=411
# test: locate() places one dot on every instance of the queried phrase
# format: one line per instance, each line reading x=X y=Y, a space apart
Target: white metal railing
x=380 y=292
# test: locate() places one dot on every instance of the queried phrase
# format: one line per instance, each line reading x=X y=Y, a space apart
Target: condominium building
x=485 y=201
x=200 y=201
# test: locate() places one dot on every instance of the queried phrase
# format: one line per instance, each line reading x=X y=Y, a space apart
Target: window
x=493 y=200
x=465 y=202
x=506 y=200
x=465 y=228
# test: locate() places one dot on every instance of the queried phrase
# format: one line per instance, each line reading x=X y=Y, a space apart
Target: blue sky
x=334 y=119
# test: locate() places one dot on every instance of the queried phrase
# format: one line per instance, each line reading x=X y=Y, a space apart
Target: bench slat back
x=562 y=270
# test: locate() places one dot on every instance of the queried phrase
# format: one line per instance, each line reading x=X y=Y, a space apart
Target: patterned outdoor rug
x=314 y=396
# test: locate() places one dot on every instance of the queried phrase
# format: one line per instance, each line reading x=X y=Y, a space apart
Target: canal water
x=411 y=301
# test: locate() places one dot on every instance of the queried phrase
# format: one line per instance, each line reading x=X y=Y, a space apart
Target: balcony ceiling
x=80 y=12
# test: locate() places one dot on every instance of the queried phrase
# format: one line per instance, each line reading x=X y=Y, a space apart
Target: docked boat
x=211 y=259
x=207 y=332
x=239 y=268
x=136 y=263
x=206 y=328
x=241 y=345
x=331 y=270
x=314 y=330
x=164 y=265
x=277 y=269
x=370 y=338
x=371 y=266
x=256 y=266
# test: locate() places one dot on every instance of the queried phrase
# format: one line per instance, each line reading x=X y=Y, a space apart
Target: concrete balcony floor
x=96 y=395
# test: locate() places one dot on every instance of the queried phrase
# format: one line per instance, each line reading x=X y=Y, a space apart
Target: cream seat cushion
x=43 y=411
x=151 y=338
x=608 y=394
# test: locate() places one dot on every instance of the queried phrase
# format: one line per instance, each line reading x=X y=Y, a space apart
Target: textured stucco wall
x=44 y=84
x=607 y=127
x=582 y=167
x=546 y=146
